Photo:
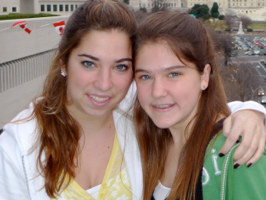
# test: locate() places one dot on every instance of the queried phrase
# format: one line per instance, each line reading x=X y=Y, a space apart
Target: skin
x=99 y=73
x=96 y=84
x=169 y=92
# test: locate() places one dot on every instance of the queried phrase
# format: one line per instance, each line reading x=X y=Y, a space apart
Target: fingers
x=231 y=135
x=245 y=151
x=250 y=125
x=248 y=146
x=258 y=153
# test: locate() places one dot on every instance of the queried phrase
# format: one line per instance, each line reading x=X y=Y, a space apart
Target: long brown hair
x=59 y=131
x=189 y=40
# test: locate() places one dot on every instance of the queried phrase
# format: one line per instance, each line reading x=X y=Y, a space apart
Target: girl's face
x=168 y=90
x=99 y=73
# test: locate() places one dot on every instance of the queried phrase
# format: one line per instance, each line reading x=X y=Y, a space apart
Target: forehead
x=156 y=55
x=114 y=43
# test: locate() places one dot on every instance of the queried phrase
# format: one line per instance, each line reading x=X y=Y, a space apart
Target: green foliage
x=200 y=11
x=126 y=1
x=215 y=10
x=143 y=10
x=221 y=17
x=24 y=16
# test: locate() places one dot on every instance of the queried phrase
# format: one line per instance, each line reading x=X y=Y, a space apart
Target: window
x=14 y=9
x=42 y=8
x=54 y=7
x=66 y=7
x=48 y=8
x=258 y=4
x=4 y=9
x=228 y=4
x=61 y=9
x=182 y=5
x=72 y=7
x=76 y=6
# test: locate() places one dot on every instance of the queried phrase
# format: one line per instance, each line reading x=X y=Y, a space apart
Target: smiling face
x=168 y=90
x=99 y=73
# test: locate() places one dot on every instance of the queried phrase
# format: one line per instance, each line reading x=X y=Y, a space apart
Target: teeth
x=99 y=99
x=162 y=106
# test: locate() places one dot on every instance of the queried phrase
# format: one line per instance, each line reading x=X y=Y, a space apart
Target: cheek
x=143 y=95
x=79 y=79
x=123 y=82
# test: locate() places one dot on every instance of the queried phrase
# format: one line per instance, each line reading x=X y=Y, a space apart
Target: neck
x=93 y=125
x=180 y=133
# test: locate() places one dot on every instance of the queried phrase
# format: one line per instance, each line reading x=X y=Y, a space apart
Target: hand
x=250 y=125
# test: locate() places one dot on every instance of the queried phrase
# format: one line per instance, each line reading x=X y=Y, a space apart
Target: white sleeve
x=235 y=106
x=13 y=185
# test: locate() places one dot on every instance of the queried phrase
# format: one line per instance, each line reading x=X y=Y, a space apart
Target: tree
x=245 y=21
x=215 y=10
x=239 y=81
x=223 y=44
x=200 y=11
x=126 y=2
x=229 y=20
x=159 y=5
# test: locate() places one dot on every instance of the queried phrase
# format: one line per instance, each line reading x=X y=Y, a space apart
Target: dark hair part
x=189 y=40
x=59 y=131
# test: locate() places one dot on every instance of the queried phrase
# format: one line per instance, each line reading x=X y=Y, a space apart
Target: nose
x=104 y=80
x=158 y=88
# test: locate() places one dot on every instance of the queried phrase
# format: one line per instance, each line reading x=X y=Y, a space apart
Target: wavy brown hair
x=59 y=132
x=189 y=40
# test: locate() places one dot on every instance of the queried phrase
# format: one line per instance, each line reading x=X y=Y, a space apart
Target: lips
x=99 y=101
x=162 y=107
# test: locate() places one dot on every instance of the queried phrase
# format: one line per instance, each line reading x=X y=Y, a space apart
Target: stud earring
x=63 y=73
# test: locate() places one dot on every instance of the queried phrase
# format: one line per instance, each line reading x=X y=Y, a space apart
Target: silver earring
x=63 y=73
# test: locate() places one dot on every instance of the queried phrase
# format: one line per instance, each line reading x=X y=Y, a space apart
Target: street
x=257 y=69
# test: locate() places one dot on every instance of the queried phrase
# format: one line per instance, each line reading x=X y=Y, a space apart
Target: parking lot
x=251 y=50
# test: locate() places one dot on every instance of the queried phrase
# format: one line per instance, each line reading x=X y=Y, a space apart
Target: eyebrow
x=97 y=59
x=163 y=70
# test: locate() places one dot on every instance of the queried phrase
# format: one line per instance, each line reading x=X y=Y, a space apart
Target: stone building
x=255 y=9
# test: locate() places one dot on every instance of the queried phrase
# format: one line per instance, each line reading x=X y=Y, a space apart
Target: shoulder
x=22 y=133
x=220 y=177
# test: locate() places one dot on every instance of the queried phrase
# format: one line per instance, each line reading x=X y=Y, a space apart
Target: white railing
x=17 y=72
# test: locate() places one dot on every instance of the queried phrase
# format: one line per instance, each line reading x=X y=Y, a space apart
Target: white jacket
x=19 y=177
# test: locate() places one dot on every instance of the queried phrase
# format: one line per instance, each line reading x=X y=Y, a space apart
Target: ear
x=205 y=77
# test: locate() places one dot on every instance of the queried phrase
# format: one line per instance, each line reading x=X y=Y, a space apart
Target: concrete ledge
x=16 y=99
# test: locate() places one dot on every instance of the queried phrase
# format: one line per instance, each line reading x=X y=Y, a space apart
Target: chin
x=162 y=125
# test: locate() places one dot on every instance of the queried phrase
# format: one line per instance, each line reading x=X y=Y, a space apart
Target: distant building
x=61 y=7
x=255 y=9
